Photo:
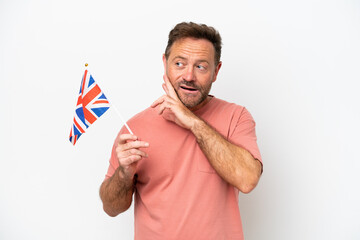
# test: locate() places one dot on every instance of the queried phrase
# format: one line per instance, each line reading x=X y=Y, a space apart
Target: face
x=191 y=70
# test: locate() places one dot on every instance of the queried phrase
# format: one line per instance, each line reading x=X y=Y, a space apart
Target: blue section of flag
x=76 y=131
x=91 y=81
x=102 y=96
x=81 y=84
x=80 y=113
x=99 y=111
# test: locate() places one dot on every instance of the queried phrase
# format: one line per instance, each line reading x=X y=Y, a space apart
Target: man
x=196 y=151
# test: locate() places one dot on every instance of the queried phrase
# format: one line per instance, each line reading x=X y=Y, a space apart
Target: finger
x=123 y=138
x=134 y=144
x=158 y=101
x=167 y=103
x=133 y=151
x=164 y=106
x=161 y=109
x=129 y=160
x=165 y=89
x=170 y=89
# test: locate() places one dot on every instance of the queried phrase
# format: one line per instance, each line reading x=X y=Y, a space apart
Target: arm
x=116 y=191
x=233 y=163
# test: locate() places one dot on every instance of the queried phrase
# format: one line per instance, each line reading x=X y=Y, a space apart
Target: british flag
x=91 y=104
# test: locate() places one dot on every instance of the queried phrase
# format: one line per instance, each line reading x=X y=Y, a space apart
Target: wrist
x=124 y=174
x=196 y=125
x=124 y=178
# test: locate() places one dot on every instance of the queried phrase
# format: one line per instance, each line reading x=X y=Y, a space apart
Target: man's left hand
x=172 y=109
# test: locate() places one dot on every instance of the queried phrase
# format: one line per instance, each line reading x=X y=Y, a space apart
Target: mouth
x=187 y=88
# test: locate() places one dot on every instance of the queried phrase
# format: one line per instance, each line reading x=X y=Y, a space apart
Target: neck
x=197 y=107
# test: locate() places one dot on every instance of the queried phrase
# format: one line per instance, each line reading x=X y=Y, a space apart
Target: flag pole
x=117 y=111
x=122 y=119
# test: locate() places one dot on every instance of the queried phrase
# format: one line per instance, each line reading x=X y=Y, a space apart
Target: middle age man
x=197 y=151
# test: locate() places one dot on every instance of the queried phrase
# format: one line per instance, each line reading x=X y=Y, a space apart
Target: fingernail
x=146 y=144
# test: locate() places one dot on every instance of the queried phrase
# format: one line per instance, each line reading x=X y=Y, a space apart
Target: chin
x=193 y=103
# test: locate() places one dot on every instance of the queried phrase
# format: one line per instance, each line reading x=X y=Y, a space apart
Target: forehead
x=192 y=48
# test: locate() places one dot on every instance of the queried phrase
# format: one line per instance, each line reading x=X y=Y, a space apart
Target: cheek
x=174 y=76
x=205 y=80
x=175 y=72
x=170 y=72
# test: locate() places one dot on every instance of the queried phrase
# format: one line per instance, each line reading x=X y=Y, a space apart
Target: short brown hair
x=198 y=31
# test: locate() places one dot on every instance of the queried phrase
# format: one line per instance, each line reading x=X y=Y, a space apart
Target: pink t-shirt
x=178 y=193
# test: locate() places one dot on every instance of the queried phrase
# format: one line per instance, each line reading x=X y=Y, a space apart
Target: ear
x=217 y=69
x=164 y=62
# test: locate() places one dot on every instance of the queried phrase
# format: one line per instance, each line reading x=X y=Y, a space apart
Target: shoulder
x=222 y=103
x=146 y=122
x=232 y=111
x=142 y=118
x=143 y=115
x=221 y=106
x=146 y=117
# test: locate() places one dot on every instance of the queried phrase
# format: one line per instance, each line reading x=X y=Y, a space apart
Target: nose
x=189 y=74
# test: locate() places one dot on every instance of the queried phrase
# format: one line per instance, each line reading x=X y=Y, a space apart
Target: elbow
x=113 y=206
x=247 y=182
x=246 y=188
x=247 y=185
x=113 y=212
x=110 y=213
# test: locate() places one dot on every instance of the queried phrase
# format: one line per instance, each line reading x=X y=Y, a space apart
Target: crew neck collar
x=206 y=106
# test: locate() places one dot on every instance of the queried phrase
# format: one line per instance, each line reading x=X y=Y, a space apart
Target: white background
x=294 y=64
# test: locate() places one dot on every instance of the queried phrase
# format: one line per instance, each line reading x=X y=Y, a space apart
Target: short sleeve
x=243 y=134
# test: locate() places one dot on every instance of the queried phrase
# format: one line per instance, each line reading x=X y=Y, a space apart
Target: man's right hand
x=128 y=153
x=116 y=192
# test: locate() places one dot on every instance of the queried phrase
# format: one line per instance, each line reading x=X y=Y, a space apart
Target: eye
x=179 y=64
x=201 y=67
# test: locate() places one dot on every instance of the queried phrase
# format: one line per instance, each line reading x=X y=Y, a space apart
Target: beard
x=192 y=101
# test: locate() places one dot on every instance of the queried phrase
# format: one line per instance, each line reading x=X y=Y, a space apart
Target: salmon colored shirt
x=178 y=193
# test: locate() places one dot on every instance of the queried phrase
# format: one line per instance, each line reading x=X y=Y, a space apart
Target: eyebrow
x=183 y=58
x=176 y=57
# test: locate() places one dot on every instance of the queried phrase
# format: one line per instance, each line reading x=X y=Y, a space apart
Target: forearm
x=116 y=193
x=233 y=163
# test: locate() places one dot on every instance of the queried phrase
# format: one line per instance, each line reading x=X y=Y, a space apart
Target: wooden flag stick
x=122 y=119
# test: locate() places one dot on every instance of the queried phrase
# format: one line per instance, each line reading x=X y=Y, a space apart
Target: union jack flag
x=91 y=104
